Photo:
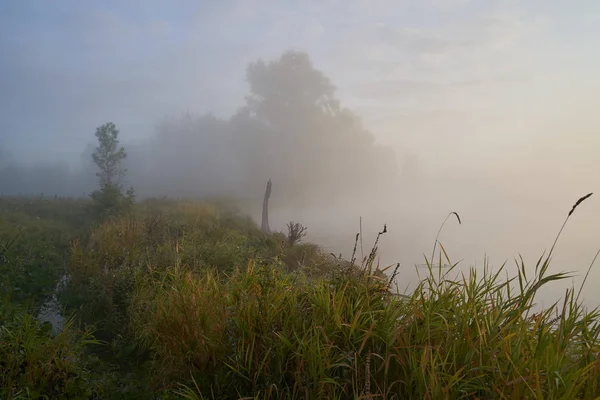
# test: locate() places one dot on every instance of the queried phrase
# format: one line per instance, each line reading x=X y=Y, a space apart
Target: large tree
x=292 y=129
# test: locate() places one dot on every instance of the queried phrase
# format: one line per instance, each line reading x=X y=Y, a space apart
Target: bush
x=109 y=201
x=103 y=271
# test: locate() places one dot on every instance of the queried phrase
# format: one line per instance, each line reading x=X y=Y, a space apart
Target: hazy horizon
x=484 y=107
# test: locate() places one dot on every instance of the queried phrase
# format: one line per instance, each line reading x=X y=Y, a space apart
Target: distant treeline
x=291 y=129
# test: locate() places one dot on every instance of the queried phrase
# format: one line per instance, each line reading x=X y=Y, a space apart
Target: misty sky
x=494 y=102
x=423 y=74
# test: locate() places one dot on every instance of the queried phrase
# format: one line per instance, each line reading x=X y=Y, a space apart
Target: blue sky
x=411 y=69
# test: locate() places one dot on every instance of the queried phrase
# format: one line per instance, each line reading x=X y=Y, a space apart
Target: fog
x=393 y=112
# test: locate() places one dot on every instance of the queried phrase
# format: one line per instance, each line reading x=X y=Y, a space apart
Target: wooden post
x=265 y=212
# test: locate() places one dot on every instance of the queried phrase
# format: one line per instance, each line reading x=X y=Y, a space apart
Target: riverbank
x=191 y=300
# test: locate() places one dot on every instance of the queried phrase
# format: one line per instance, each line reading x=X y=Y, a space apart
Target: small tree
x=108 y=156
x=109 y=199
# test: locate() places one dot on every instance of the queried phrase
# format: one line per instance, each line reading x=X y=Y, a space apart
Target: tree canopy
x=293 y=129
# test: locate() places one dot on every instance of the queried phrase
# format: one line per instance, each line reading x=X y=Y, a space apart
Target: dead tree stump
x=265 y=211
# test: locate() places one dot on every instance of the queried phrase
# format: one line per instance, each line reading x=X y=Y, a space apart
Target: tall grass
x=471 y=336
x=35 y=364
x=452 y=338
x=197 y=303
x=35 y=235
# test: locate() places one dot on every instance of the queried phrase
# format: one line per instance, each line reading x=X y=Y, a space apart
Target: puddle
x=51 y=310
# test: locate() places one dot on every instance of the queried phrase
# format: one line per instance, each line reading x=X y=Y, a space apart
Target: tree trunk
x=265 y=212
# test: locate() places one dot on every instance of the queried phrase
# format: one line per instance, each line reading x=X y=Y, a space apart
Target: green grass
x=35 y=236
x=34 y=363
x=191 y=300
